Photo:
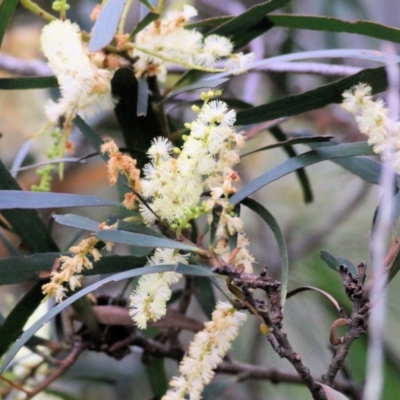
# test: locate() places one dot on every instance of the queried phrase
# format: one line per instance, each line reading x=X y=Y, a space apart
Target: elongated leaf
x=315 y=289
x=36 y=82
x=22 y=268
x=132 y=227
x=301 y=161
x=148 y=19
x=147 y=4
x=106 y=24
x=18 y=317
x=140 y=240
x=212 y=83
x=25 y=223
x=77 y=221
x=93 y=138
x=204 y=293
x=313 y=99
x=276 y=230
x=291 y=142
x=143 y=98
x=249 y=25
x=180 y=268
x=365 y=168
x=329 y=24
x=7 y=8
x=13 y=199
x=156 y=375
x=279 y=135
x=241 y=30
x=35 y=237
x=250 y=21
x=335 y=262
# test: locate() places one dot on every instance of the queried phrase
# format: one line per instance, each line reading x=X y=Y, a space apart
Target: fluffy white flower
x=85 y=88
x=373 y=120
x=148 y=302
x=239 y=63
x=205 y=353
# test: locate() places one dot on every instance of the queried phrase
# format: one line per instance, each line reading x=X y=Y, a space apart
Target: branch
x=65 y=365
x=358 y=323
x=249 y=371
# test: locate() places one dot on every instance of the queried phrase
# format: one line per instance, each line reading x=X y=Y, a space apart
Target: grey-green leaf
x=106 y=24
x=12 y=199
x=138 y=239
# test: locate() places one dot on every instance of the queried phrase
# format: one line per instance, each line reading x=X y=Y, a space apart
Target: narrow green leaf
x=147 y=4
x=106 y=24
x=17 y=318
x=315 y=289
x=77 y=221
x=313 y=99
x=204 y=293
x=34 y=235
x=143 y=97
x=209 y=23
x=140 y=240
x=329 y=24
x=36 y=82
x=248 y=21
x=137 y=228
x=291 y=142
x=155 y=370
x=301 y=161
x=180 y=268
x=241 y=30
x=17 y=199
x=93 y=138
x=148 y=19
x=367 y=169
x=276 y=230
x=335 y=262
x=211 y=83
x=279 y=135
x=7 y=8
x=25 y=223
x=23 y=268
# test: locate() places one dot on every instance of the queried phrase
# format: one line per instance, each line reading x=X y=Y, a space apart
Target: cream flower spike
x=85 y=88
x=206 y=351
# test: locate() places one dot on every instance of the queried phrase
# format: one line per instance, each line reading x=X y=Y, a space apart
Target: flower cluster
x=71 y=267
x=173 y=186
x=167 y=40
x=373 y=121
x=85 y=87
x=119 y=163
x=149 y=300
x=205 y=353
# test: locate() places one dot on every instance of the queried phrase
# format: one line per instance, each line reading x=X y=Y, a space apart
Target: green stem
x=160 y=6
x=121 y=26
x=176 y=61
x=33 y=7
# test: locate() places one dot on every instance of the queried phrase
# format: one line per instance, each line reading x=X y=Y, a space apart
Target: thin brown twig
x=65 y=365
